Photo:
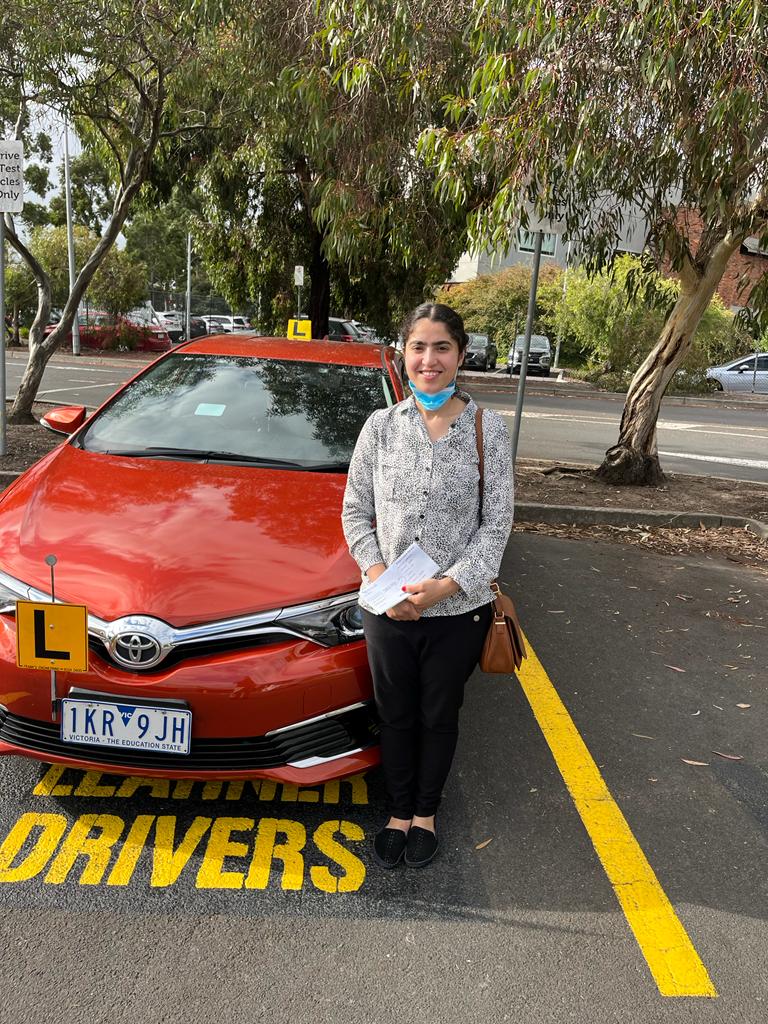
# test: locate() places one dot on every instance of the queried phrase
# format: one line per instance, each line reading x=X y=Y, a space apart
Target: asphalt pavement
x=576 y=837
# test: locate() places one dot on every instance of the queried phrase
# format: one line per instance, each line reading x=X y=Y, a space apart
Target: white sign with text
x=11 y=176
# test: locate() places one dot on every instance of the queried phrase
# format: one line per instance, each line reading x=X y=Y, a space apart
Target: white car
x=740 y=375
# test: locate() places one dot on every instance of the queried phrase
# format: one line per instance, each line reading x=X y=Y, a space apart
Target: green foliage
x=497 y=304
x=119 y=284
x=157 y=237
x=615 y=326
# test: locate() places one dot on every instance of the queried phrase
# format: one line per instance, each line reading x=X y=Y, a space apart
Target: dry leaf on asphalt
x=642 y=736
x=703 y=764
x=675 y=668
x=481 y=846
x=728 y=757
x=743 y=705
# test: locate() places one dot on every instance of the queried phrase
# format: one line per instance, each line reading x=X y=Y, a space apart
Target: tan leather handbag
x=504 y=647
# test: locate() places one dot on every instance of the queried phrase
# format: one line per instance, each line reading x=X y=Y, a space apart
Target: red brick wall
x=743 y=271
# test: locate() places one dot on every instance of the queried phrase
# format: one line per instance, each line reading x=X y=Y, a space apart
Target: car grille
x=328 y=737
x=184 y=652
x=533 y=357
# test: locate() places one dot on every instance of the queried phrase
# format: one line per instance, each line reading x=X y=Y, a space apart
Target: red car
x=197 y=516
x=139 y=329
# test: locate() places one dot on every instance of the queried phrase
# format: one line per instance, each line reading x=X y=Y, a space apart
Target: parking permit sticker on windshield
x=204 y=409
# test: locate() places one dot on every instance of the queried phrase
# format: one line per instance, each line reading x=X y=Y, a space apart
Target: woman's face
x=431 y=356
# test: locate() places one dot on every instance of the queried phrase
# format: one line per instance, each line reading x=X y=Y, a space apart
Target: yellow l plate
x=52 y=636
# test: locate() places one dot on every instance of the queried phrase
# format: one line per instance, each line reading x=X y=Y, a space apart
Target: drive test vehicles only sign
x=11 y=177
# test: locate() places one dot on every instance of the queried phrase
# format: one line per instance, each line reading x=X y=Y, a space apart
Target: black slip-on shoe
x=421 y=847
x=389 y=846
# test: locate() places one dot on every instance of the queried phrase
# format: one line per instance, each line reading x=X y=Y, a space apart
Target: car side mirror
x=65 y=419
x=742 y=368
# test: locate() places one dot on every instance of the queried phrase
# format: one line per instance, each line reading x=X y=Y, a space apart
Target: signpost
x=538 y=228
x=298 y=280
x=11 y=201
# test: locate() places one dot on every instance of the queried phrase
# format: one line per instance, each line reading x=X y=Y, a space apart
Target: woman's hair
x=444 y=314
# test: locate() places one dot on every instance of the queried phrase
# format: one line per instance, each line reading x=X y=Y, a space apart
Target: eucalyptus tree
x=320 y=167
x=597 y=110
x=123 y=71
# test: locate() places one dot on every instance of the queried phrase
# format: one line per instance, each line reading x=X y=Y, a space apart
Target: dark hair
x=444 y=315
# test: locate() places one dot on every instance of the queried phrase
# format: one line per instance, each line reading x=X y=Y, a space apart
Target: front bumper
x=289 y=711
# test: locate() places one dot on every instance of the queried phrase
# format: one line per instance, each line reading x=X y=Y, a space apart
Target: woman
x=414 y=477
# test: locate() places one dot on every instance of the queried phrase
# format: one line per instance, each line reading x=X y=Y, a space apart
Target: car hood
x=185 y=542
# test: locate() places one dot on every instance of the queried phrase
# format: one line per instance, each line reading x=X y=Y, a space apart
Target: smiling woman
x=414 y=478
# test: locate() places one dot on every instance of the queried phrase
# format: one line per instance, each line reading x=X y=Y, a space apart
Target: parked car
x=217 y=324
x=539 y=355
x=138 y=329
x=166 y=510
x=740 y=375
x=174 y=324
x=481 y=353
x=344 y=330
x=197 y=327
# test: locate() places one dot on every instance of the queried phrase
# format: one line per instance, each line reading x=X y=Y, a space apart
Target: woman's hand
x=427 y=593
x=404 y=612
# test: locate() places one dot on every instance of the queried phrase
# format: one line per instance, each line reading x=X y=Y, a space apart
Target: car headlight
x=544 y=359
x=340 y=621
x=11 y=591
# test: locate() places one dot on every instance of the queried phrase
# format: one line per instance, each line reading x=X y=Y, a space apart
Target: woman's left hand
x=428 y=592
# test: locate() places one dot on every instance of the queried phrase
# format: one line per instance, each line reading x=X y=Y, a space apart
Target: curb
x=575 y=515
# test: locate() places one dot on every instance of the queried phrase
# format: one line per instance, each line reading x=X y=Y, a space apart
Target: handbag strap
x=498 y=608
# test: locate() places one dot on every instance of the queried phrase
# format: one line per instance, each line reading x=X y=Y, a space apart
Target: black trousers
x=419 y=670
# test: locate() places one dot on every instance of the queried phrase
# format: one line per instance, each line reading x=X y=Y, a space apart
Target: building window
x=526 y=240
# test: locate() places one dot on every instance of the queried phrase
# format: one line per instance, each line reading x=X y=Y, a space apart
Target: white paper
x=413 y=566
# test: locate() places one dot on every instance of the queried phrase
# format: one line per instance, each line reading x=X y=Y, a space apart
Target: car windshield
x=477 y=342
x=538 y=343
x=218 y=407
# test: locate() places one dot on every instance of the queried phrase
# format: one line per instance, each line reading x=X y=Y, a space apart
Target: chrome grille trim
x=273 y=622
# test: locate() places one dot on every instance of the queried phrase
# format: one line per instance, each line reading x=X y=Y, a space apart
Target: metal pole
x=71 y=240
x=565 y=289
x=188 y=309
x=754 y=372
x=527 y=345
x=3 y=431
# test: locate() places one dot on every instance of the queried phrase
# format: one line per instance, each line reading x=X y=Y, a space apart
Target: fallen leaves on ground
x=482 y=846
x=735 y=544
x=700 y=764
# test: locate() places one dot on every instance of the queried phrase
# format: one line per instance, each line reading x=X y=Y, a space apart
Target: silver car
x=741 y=375
x=539 y=356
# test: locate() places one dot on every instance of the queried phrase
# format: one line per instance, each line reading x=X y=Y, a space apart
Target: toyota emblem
x=136 y=650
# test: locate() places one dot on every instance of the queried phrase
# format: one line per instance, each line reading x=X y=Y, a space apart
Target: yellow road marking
x=673 y=961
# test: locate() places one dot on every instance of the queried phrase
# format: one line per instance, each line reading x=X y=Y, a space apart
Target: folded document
x=413 y=566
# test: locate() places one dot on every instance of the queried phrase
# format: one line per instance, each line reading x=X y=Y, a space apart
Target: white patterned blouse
x=404 y=487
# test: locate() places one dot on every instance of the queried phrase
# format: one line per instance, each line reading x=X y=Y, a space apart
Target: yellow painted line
x=673 y=961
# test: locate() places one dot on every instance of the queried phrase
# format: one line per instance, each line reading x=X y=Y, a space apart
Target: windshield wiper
x=201 y=455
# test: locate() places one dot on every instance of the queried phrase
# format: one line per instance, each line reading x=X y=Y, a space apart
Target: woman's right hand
x=406 y=611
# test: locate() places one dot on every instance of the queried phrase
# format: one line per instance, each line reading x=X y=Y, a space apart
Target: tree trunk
x=320 y=286
x=634 y=458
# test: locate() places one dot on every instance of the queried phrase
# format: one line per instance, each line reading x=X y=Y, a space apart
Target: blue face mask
x=432 y=402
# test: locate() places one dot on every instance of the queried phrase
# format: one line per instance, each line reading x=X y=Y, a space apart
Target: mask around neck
x=432 y=402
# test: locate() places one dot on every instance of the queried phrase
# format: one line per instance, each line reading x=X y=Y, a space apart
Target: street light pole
x=188 y=309
x=527 y=343
x=70 y=240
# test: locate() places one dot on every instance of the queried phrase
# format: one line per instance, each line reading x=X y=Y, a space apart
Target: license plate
x=130 y=726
